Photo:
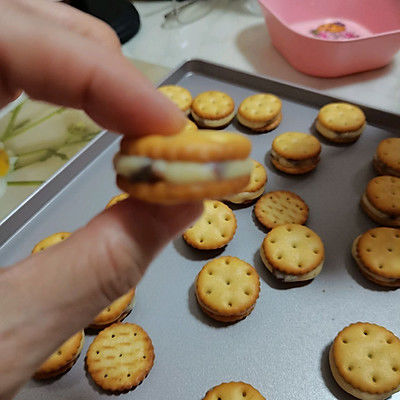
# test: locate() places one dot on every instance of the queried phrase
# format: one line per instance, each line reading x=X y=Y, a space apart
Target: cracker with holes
x=62 y=359
x=377 y=253
x=117 y=311
x=295 y=153
x=233 y=391
x=214 y=229
x=178 y=95
x=213 y=109
x=189 y=166
x=227 y=289
x=255 y=188
x=340 y=122
x=260 y=112
x=281 y=207
x=116 y=199
x=293 y=253
x=120 y=357
x=365 y=361
x=50 y=241
x=387 y=157
x=381 y=200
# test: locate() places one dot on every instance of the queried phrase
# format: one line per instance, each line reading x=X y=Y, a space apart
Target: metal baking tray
x=282 y=347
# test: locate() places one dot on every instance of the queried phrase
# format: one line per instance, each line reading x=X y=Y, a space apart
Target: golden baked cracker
x=260 y=107
x=281 y=207
x=214 y=229
x=178 y=95
x=115 y=312
x=258 y=177
x=213 y=109
x=295 y=152
x=185 y=167
x=255 y=187
x=387 y=158
x=227 y=319
x=384 y=193
x=296 y=146
x=294 y=250
x=227 y=288
x=233 y=391
x=196 y=146
x=50 y=241
x=260 y=112
x=377 y=253
x=341 y=117
x=168 y=193
x=271 y=125
x=116 y=199
x=62 y=359
x=293 y=170
x=213 y=105
x=377 y=216
x=365 y=361
x=120 y=357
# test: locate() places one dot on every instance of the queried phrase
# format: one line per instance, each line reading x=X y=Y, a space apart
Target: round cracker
x=233 y=391
x=50 y=241
x=383 y=192
x=63 y=358
x=258 y=179
x=214 y=229
x=367 y=358
x=195 y=146
x=262 y=107
x=388 y=153
x=170 y=193
x=213 y=105
x=296 y=146
x=341 y=117
x=281 y=207
x=227 y=288
x=116 y=311
x=120 y=357
x=116 y=199
x=294 y=170
x=178 y=95
x=379 y=251
x=293 y=249
x=270 y=125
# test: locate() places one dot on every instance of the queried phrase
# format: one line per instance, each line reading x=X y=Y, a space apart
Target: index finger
x=56 y=65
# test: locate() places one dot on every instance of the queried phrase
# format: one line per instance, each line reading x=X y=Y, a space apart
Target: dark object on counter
x=121 y=15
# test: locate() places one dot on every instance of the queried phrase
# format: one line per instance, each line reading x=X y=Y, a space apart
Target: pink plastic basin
x=378 y=22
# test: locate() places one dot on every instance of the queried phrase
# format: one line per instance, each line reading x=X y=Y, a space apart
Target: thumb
x=128 y=237
x=68 y=284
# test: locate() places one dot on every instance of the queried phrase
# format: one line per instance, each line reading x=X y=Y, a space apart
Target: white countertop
x=231 y=35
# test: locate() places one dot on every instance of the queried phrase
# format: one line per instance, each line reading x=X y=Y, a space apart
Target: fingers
x=95 y=265
x=56 y=65
x=73 y=20
x=61 y=289
x=131 y=234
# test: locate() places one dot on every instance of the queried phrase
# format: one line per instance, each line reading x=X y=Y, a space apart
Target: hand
x=57 y=54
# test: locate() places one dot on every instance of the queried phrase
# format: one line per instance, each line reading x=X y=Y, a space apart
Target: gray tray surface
x=282 y=347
